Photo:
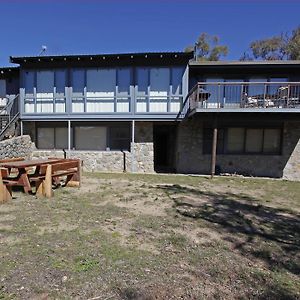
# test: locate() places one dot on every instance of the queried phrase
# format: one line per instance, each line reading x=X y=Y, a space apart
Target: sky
x=119 y=26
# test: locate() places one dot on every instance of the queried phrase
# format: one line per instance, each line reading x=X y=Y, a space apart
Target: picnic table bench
x=50 y=173
x=43 y=175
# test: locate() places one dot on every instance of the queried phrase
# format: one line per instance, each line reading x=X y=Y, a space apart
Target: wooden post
x=214 y=149
x=5 y=191
x=40 y=189
x=75 y=180
x=47 y=184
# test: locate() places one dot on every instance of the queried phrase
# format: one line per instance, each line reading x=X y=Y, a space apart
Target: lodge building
x=158 y=112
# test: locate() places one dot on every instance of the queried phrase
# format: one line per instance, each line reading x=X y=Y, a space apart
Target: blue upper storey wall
x=108 y=86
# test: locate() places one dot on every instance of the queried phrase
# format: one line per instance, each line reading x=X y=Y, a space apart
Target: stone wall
x=141 y=153
x=20 y=146
x=92 y=161
x=291 y=150
x=190 y=157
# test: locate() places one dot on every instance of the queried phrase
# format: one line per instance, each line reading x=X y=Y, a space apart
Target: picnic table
x=22 y=178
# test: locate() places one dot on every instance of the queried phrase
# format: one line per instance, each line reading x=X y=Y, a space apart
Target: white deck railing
x=236 y=95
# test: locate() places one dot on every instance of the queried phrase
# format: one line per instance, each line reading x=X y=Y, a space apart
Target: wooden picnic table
x=22 y=178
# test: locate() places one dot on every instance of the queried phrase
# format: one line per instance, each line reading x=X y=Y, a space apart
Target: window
x=52 y=137
x=239 y=140
x=45 y=138
x=60 y=81
x=90 y=138
x=119 y=138
x=235 y=140
x=29 y=81
x=254 y=140
x=78 y=80
x=272 y=141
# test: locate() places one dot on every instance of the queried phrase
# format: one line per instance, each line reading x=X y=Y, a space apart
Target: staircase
x=9 y=115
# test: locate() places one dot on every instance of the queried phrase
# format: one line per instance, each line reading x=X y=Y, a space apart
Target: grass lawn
x=144 y=237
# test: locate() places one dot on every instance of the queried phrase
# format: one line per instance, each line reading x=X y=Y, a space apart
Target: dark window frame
x=54 y=127
x=206 y=149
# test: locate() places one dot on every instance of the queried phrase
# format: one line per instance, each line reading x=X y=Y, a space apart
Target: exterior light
x=103 y=57
x=118 y=57
x=65 y=58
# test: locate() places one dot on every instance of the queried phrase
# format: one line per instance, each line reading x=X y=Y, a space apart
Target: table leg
x=24 y=181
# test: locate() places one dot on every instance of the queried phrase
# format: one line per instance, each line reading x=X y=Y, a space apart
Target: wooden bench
x=5 y=160
x=5 y=185
x=51 y=173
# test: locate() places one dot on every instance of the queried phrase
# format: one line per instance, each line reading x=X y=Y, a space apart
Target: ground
x=144 y=237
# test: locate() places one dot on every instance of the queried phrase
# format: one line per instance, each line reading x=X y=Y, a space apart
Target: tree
x=293 y=45
x=280 y=47
x=208 y=48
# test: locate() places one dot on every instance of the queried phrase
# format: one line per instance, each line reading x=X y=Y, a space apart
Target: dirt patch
x=124 y=236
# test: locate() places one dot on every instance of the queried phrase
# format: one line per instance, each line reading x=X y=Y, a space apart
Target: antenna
x=44 y=49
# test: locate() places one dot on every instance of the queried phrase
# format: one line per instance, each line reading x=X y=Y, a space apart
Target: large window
x=52 y=137
x=94 y=137
x=90 y=138
x=119 y=138
x=240 y=140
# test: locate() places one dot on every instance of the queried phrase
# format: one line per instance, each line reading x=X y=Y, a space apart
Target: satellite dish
x=44 y=49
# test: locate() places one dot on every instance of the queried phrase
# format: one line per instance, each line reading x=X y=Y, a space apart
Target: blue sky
x=90 y=26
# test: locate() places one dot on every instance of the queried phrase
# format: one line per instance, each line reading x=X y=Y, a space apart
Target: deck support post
x=214 y=148
x=21 y=128
x=132 y=146
x=69 y=135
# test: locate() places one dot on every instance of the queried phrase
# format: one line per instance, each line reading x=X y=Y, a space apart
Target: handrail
x=11 y=111
x=186 y=100
x=274 y=94
x=246 y=83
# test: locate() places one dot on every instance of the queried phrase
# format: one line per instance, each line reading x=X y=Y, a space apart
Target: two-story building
x=146 y=112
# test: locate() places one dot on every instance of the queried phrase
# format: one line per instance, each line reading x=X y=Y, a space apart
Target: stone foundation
x=142 y=154
x=190 y=157
x=20 y=146
x=291 y=150
x=92 y=161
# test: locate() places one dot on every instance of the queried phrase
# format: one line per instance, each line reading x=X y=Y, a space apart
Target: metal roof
x=7 y=72
x=91 y=57
x=244 y=63
x=8 y=69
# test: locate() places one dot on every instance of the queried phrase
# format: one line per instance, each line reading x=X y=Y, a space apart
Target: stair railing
x=8 y=114
x=185 y=108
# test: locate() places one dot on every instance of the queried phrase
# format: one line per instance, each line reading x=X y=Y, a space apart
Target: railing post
x=288 y=96
x=197 y=102
x=69 y=135
x=242 y=95
x=219 y=96
x=133 y=146
x=265 y=92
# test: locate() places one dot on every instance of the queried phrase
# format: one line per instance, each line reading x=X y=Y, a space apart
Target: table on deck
x=22 y=178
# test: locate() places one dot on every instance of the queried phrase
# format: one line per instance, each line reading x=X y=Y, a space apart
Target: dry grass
x=153 y=237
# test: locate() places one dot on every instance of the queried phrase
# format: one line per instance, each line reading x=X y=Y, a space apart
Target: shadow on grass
x=269 y=234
